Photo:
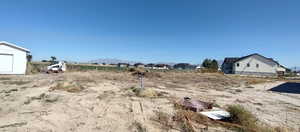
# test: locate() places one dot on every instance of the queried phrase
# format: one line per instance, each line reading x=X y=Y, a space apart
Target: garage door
x=6 y=63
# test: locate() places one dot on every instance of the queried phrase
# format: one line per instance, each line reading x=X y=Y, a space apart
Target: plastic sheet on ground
x=216 y=114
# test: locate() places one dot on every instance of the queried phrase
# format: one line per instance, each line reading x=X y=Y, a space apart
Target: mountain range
x=116 y=61
x=112 y=61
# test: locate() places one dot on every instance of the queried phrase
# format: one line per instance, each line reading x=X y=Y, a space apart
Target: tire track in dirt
x=138 y=111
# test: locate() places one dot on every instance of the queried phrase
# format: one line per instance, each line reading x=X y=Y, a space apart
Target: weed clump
x=239 y=115
x=248 y=122
x=4 y=78
x=164 y=119
x=138 y=127
x=147 y=92
x=17 y=82
x=71 y=87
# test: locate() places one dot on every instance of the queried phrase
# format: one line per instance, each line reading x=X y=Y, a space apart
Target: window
x=248 y=64
x=257 y=65
x=238 y=64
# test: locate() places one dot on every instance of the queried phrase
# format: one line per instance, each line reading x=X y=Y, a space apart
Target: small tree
x=29 y=58
x=53 y=59
x=214 y=65
x=206 y=63
x=211 y=65
x=184 y=66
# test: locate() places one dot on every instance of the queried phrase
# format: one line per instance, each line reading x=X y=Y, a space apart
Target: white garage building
x=13 y=59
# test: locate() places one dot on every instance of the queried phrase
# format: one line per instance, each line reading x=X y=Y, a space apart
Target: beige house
x=254 y=64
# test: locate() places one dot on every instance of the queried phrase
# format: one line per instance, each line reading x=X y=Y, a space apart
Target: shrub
x=138 y=127
x=241 y=116
x=71 y=87
x=164 y=119
x=18 y=82
x=5 y=78
x=146 y=92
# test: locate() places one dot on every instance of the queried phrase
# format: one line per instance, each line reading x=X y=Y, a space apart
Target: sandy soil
x=27 y=103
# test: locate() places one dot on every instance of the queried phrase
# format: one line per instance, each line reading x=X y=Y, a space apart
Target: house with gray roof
x=254 y=64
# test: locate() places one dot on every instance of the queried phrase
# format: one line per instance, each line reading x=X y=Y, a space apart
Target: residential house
x=139 y=65
x=254 y=64
x=298 y=73
x=157 y=66
x=150 y=66
x=123 y=65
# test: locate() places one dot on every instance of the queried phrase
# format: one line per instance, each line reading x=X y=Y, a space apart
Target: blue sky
x=154 y=30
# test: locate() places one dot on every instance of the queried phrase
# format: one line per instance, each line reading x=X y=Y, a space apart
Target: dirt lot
x=104 y=101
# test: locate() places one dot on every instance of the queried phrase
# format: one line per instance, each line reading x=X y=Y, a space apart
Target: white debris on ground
x=216 y=114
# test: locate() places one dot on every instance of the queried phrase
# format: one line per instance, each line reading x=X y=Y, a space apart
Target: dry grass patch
x=191 y=121
x=164 y=119
x=182 y=120
x=106 y=94
x=239 y=115
x=81 y=77
x=253 y=80
x=16 y=82
x=204 y=80
x=248 y=122
x=241 y=120
x=71 y=87
x=147 y=92
x=5 y=78
x=137 y=127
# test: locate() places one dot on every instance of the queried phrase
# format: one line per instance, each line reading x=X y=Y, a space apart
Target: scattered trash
x=216 y=115
x=204 y=108
x=195 y=105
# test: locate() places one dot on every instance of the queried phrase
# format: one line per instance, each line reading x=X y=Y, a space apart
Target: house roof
x=256 y=54
x=236 y=59
x=138 y=64
x=14 y=46
x=161 y=65
x=231 y=59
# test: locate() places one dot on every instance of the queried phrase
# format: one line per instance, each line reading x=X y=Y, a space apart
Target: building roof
x=14 y=46
x=236 y=59
x=269 y=60
x=231 y=59
x=138 y=64
x=123 y=63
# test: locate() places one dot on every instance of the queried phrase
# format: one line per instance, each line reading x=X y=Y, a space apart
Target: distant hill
x=112 y=61
x=116 y=61
x=168 y=63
